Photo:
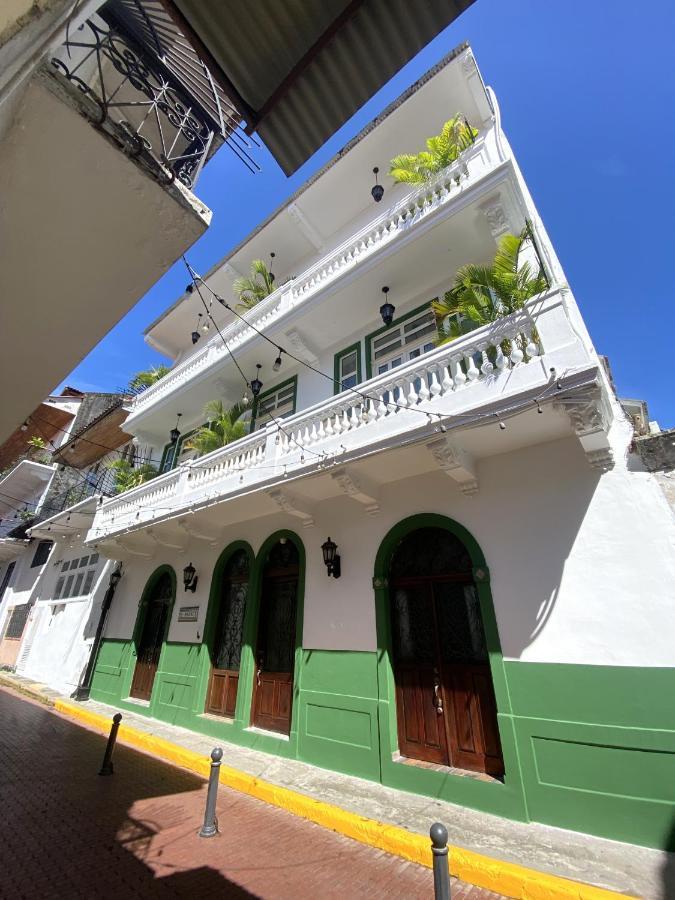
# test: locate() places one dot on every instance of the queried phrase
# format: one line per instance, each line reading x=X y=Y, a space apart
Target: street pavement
x=69 y=833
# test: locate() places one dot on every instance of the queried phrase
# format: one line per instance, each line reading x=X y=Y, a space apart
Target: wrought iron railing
x=133 y=88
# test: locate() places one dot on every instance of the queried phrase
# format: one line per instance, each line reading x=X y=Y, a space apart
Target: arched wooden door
x=275 y=645
x=444 y=694
x=153 y=632
x=225 y=645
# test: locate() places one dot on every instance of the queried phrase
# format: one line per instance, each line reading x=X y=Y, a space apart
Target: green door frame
x=210 y=625
x=250 y=636
x=502 y=799
x=140 y=622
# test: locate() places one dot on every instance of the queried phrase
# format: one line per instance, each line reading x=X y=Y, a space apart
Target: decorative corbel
x=591 y=418
x=456 y=463
x=359 y=489
x=293 y=505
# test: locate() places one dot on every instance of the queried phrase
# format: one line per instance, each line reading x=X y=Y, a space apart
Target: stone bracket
x=591 y=418
x=359 y=489
x=165 y=540
x=304 y=226
x=456 y=463
x=200 y=532
x=293 y=505
x=134 y=550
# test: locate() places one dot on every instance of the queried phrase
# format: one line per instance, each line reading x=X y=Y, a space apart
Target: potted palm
x=223 y=426
x=128 y=476
x=442 y=150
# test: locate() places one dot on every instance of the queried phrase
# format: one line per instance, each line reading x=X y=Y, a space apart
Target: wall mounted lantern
x=256 y=384
x=387 y=309
x=174 y=434
x=331 y=558
x=377 y=190
x=190 y=578
x=115 y=576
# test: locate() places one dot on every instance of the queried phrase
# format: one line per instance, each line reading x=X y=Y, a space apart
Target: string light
x=277 y=362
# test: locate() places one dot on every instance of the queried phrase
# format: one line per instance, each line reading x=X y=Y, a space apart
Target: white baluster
x=412 y=393
x=381 y=408
x=424 y=388
x=337 y=423
x=346 y=424
x=354 y=418
x=472 y=372
x=458 y=375
x=500 y=360
x=486 y=366
x=516 y=352
x=446 y=382
x=435 y=384
x=329 y=427
x=532 y=350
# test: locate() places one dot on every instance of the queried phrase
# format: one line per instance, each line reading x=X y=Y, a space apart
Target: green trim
x=373 y=334
x=165 y=453
x=179 y=449
x=503 y=799
x=337 y=382
x=140 y=622
x=277 y=387
x=210 y=625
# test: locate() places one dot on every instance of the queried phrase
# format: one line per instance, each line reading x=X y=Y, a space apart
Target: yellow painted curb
x=504 y=878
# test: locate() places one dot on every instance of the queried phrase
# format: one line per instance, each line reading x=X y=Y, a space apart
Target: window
x=93 y=559
x=78 y=584
x=69 y=584
x=88 y=581
x=6 y=579
x=64 y=567
x=175 y=454
x=84 y=561
x=398 y=344
x=347 y=368
x=275 y=403
x=59 y=587
x=16 y=622
x=73 y=564
x=41 y=554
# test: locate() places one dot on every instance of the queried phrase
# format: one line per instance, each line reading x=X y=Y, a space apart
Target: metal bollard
x=106 y=765
x=439 y=848
x=210 y=826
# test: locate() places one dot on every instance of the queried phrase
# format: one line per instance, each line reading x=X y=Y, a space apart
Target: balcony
x=418 y=210
x=531 y=357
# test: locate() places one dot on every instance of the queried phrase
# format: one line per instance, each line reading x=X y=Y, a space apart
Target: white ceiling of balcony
x=337 y=201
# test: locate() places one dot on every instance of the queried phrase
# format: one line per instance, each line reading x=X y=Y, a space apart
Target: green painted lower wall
x=591 y=748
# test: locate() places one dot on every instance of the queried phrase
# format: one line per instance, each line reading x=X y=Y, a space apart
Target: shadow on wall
x=538 y=503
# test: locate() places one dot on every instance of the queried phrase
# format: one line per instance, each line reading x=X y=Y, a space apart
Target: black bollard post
x=439 y=848
x=210 y=826
x=106 y=765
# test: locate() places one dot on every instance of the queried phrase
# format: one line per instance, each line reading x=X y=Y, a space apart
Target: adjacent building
x=435 y=565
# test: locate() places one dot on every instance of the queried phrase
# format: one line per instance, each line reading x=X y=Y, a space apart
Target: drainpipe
x=84 y=687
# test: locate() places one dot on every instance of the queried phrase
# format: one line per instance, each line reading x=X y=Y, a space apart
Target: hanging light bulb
x=277 y=362
x=24 y=427
x=387 y=309
x=174 y=434
x=271 y=273
x=377 y=191
x=256 y=384
x=245 y=398
x=205 y=325
x=190 y=288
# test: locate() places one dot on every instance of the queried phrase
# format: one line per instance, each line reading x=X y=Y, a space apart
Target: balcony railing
x=410 y=402
x=418 y=206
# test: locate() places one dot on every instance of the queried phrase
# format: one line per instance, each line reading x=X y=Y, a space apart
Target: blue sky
x=587 y=95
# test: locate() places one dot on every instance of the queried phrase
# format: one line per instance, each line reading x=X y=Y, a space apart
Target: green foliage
x=38 y=450
x=148 y=377
x=223 y=426
x=483 y=294
x=442 y=150
x=128 y=477
x=37 y=442
x=254 y=289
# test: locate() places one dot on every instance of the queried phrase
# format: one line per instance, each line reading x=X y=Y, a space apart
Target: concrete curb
x=503 y=878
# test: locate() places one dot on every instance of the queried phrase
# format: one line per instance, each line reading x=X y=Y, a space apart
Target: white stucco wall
x=582 y=565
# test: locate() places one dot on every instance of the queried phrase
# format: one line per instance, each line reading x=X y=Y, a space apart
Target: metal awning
x=296 y=70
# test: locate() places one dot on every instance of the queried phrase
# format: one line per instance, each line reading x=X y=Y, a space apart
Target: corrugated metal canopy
x=298 y=69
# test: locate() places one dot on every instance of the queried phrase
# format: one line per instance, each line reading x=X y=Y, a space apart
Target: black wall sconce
x=377 y=191
x=115 y=576
x=331 y=558
x=190 y=578
x=387 y=309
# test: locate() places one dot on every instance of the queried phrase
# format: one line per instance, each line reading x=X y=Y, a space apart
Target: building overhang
x=24 y=481
x=74 y=521
x=315 y=63
x=10 y=548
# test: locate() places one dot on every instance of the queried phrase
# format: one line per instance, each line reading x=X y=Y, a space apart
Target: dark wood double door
x=444 y=694
x=148 y=647
x=272 y=701
x=275 y=645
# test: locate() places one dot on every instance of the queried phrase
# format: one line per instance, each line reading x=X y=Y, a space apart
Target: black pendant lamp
x=387 y=309
x=174 y=434
x=271 y=273
x=256 y=384
x=377 y=191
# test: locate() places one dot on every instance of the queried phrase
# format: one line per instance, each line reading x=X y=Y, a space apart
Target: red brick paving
x=69 y=833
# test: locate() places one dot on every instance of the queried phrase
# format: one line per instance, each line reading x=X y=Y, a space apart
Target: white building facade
x=500 y=635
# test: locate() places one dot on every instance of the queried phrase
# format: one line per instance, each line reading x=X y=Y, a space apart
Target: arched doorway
x=276 y=638
x=445 y=700
x=225 y=641
x=151 y=630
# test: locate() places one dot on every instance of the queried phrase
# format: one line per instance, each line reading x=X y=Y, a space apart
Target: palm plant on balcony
x=127 y=476
x=142 y=380
x=252 y=290
x=484 y=294
x=442 y=150
x=223 y=426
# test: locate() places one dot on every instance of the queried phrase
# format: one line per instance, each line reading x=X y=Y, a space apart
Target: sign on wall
x=188 y=613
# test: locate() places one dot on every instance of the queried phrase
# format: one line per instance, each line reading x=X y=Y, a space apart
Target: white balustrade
x=459 y=376
x=390 y=225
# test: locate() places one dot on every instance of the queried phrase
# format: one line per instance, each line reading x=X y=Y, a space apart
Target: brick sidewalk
x=70 y=834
